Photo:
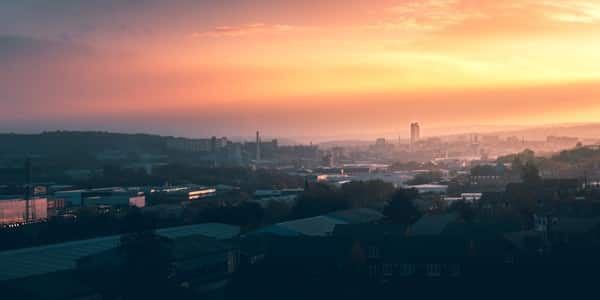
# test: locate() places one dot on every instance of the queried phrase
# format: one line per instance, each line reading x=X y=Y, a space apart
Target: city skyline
x=299 y=149
x=220 y=68
x=584 y=131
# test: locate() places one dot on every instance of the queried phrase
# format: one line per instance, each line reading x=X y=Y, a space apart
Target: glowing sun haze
x=298 y=68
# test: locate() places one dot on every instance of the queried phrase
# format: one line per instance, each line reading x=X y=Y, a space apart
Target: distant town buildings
x=562 y=140
x=196 y=145
x=182 y=194
x=265 y=197
x=430 y=188
x=17 y=210
x=260 y=151
x=112 y=196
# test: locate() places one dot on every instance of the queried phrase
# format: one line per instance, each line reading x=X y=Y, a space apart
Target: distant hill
x=586 y=132
x=582 y=131
x=64 y=142
x=68 y=142
x=92 y=141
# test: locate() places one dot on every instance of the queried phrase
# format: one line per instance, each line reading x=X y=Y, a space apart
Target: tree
x=530 y=174
x=517 y=165
x=135 y=221
x=248 y=215
x=401 y=208
x=467 y=212
x=457 y=186
x=276 y=211
x=483 y=170
x=317 y=200
x=360 y=194
x=425 y=178
x=526 y=155
x=147 y=270
x=406 y=166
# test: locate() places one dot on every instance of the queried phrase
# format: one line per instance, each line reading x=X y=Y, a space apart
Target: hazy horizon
x=533 y=132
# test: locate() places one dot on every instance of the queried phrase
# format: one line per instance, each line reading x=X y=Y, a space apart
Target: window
x=454 y=270
x=231 y=262
x=372 y=270
x=388 y=269
x=373 y=252
x=407 y=269
x=434 y=270
x=256 y=259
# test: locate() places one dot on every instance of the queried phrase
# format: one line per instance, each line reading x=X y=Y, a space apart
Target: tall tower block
x=257 y=145
x=415 y=132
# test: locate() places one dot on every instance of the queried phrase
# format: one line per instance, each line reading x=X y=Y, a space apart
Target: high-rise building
x=257 y=146
x=415 y=132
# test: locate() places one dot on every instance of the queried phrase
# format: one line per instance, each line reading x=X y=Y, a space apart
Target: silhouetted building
x=415 y=132
x=260 y=150
x=113 y=196
x=182 y=194
x=36 y=261
x=257 y=146
x=196 y=145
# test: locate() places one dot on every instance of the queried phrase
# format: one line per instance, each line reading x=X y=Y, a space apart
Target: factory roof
x=60 y=257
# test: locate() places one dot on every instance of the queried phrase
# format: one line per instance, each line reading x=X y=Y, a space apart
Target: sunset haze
x=298 y=68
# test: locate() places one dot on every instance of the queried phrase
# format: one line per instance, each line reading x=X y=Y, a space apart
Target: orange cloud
x=246 y=29
x=430 y=15
x=575 y=11
x=454 y=16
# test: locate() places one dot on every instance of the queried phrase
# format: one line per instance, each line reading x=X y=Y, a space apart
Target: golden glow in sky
x=333 y=67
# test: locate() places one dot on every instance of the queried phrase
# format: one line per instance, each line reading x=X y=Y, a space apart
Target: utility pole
x=28 y=190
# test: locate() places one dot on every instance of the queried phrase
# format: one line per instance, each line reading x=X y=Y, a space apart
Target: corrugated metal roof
x=275 y=230
x=432 y=224
x=214 y=230
x=315 y=226
x=60 y=257
x=321 y=225
x=53 y=258
x=357 y=216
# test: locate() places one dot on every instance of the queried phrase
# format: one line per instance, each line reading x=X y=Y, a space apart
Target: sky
x=335 y=68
